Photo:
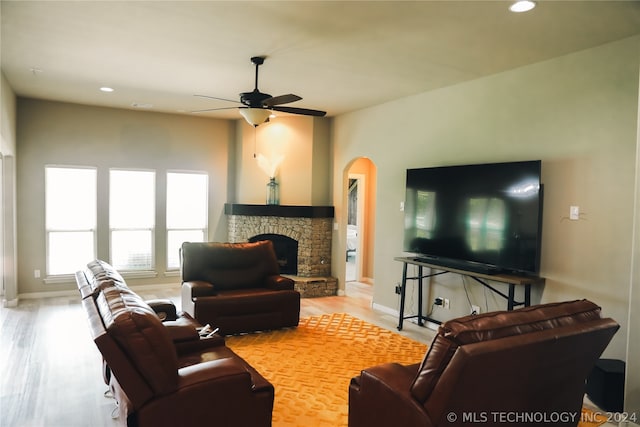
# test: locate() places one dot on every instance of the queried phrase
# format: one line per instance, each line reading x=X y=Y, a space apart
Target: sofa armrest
x=199 y=288
x=164 y=308
x=223 y=371
x=381 y=395
x=180 y=332
x=198 y=345
x=213 y=370
x=186 y=338
x=279 y=283
x=388 y=377
x=215 y=392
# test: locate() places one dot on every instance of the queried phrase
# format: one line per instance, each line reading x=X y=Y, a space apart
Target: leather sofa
x=526 y=367
x=237 y=287
x=165 y=373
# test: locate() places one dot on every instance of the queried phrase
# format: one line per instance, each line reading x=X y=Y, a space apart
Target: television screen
x=485 y=218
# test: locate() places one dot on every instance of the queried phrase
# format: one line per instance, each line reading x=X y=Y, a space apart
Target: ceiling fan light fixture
x=255 y=116
x=522 y=6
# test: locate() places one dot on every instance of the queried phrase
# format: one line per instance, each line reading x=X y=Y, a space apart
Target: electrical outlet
x=475 y=309
x=398 y=289
x=447 y=304
x=438 y=301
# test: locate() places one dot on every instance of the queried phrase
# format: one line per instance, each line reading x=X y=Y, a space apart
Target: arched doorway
x=359 y=187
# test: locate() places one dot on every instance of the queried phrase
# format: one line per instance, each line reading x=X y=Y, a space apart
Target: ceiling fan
x=257 y=106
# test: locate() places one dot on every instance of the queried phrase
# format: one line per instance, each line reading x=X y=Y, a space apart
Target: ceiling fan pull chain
x=255 y=141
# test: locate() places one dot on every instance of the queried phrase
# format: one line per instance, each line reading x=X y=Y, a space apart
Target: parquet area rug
x=311 y=366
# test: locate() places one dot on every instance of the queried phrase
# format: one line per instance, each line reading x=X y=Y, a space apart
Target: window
x=70 y=218
x=72 y=198
x=132 y=219
x=186 y=212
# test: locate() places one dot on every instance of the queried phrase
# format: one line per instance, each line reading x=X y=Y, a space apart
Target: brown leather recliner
x=165 y=374
x=526 y=367
x=237 y=287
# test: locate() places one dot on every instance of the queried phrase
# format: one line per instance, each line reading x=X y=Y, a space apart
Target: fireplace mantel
x=286 y=211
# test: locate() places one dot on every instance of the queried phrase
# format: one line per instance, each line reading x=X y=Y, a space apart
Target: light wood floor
x=50 y=368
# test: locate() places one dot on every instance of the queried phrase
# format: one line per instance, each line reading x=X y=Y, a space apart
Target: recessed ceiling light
x=522 y=6
x=106 y=89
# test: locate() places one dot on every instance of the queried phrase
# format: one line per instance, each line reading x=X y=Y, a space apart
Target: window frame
x=101 y=231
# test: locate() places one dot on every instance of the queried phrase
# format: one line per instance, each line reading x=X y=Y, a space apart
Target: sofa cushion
x=491 y=326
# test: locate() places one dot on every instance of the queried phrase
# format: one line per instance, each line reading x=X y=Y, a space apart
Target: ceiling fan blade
x=213 y=109
x=282 y=99
x=303 y=111
x=219 y=99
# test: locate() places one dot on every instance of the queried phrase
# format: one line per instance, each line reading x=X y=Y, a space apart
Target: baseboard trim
x=392 y=312
x=10 y=303
x=384 y=309
x=48 y=294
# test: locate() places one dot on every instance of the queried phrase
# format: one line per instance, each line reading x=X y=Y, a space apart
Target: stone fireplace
x=309 y=226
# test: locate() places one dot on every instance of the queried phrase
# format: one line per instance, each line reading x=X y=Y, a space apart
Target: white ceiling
x=339 y=56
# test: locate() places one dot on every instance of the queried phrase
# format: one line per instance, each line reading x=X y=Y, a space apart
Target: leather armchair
x=527 y=363
x=237 y=287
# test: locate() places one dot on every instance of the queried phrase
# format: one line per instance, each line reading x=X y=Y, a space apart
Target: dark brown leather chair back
x=229 y=265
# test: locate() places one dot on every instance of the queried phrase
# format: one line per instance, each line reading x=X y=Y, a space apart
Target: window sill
x=142 y=274
x=60 y=279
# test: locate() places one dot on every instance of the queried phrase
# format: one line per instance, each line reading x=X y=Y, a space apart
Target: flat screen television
x=485 y=218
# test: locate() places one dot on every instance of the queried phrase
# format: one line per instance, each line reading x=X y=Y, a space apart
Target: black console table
x=511 y=280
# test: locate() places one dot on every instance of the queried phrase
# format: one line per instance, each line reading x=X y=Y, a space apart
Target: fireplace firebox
x=286 y=250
